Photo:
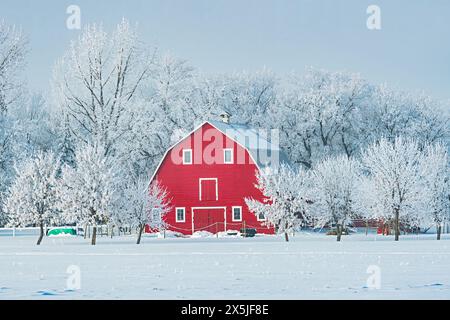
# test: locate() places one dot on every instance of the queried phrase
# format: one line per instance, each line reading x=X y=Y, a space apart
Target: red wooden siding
x=209 y=220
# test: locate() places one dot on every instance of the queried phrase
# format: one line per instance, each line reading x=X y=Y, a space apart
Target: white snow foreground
x=310 y=266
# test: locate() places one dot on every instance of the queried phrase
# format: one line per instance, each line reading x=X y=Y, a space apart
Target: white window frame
x=176 y=214
x=259 y=219
x=232 y=156
x=187 y=151
x=200 y=187
x=232 y=213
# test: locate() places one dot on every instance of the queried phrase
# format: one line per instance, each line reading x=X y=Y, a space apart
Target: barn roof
x=254 y=141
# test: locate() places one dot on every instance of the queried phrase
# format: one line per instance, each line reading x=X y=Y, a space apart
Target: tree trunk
x=41 y=233
x=286 y=237
x=397 y=225
x=439 y=229
x=94 y=235
x=85 y=231
x=338 y=232
x=141 y=228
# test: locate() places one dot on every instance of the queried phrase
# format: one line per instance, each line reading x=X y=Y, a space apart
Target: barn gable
x=265 y=155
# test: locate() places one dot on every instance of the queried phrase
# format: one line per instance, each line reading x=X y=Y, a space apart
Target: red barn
x=208 y=174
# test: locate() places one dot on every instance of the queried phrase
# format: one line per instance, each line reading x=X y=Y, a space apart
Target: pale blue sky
x=411 y=51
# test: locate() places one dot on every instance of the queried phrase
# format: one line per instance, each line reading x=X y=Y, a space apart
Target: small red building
x=210 y=172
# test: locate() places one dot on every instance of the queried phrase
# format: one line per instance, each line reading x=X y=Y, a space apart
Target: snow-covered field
x=311 y=266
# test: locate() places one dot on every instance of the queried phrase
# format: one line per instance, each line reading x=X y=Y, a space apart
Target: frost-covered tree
x=141 y=205
x=86 y=192
x=13 y=49
x=324 y=113
x=394 y=181
x=320 y=114
x=34 y=127
x=169 y=85
x=249 y=97
x=8 y=157
x=32 y=197
x=25 y=129
x=334 y=184
x=162 y=109
x=95 y=84
x=285 y=199
x=397 y=113
x=436 y=180
x=3 y=216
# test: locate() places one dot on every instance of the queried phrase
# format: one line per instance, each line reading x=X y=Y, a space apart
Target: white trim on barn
x=231 y=157
x=259 y=219
x=176 y=214
x=232 y=213
x=185 y=151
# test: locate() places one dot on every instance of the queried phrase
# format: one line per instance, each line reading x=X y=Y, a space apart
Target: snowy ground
x=311 y=266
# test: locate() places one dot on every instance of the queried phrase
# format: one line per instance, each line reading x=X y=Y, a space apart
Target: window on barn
x=237 y=213
x=180 y=214
x=261 y=217
x=228 y=156
x=187 y=156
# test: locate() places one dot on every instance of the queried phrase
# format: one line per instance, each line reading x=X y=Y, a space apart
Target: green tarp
x=56 y=231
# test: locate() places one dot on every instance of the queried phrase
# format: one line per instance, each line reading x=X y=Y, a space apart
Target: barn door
x=208 y=189
x=211 y=220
